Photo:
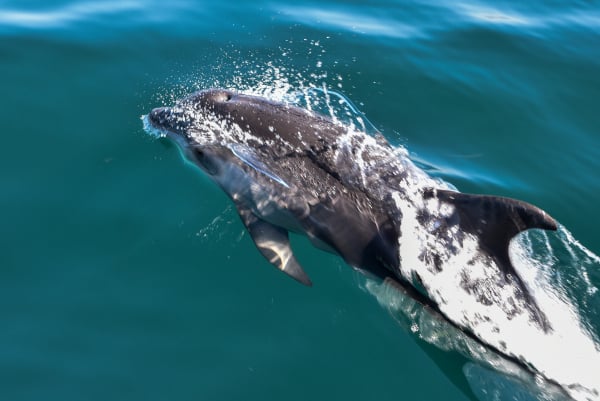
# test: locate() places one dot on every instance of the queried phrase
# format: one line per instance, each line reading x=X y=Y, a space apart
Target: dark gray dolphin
x=289 y=169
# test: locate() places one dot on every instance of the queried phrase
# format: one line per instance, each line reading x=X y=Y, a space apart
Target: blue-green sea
x=125 y=274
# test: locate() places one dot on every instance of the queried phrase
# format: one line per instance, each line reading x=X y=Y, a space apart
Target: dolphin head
x=216 y=126
x=197 y=119
x=200 y=124
x=220 y=116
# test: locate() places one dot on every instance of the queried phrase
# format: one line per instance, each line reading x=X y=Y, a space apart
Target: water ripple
x=402 y=21
x=357 y=21
x=494 y=16
x=389 y=19
x=63 y=16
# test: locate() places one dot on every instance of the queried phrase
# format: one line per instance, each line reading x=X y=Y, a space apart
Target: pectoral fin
x=274 y=244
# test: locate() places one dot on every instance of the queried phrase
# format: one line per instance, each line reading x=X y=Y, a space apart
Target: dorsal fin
x=495 y=220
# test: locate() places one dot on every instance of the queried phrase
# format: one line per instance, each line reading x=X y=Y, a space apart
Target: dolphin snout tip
x=157 y=115
x=154 y=122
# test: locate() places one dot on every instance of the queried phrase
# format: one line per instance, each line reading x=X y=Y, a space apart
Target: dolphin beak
x=156 y=123
x=158 y=117
x=160 y=123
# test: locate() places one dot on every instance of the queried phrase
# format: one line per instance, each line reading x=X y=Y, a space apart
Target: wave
x=424 y=19
x=390 y=19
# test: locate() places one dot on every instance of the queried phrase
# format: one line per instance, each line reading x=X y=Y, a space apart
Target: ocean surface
x=127 y=275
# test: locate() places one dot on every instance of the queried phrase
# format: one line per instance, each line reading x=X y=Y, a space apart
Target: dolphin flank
x=289 y=169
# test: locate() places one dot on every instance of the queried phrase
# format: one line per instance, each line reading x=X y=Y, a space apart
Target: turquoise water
x=126 y=275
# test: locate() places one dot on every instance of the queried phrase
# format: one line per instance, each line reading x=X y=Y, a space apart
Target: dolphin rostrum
x=289 y=169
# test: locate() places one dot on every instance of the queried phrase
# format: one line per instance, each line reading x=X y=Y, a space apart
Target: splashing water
x=558 y=271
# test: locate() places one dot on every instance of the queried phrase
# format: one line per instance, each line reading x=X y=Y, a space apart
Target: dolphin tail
x=274 y=244
x=495 y=220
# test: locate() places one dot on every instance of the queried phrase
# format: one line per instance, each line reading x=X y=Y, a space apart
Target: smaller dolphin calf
x=288 y=169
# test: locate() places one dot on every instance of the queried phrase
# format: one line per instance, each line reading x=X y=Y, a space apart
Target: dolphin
x=288 y=169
